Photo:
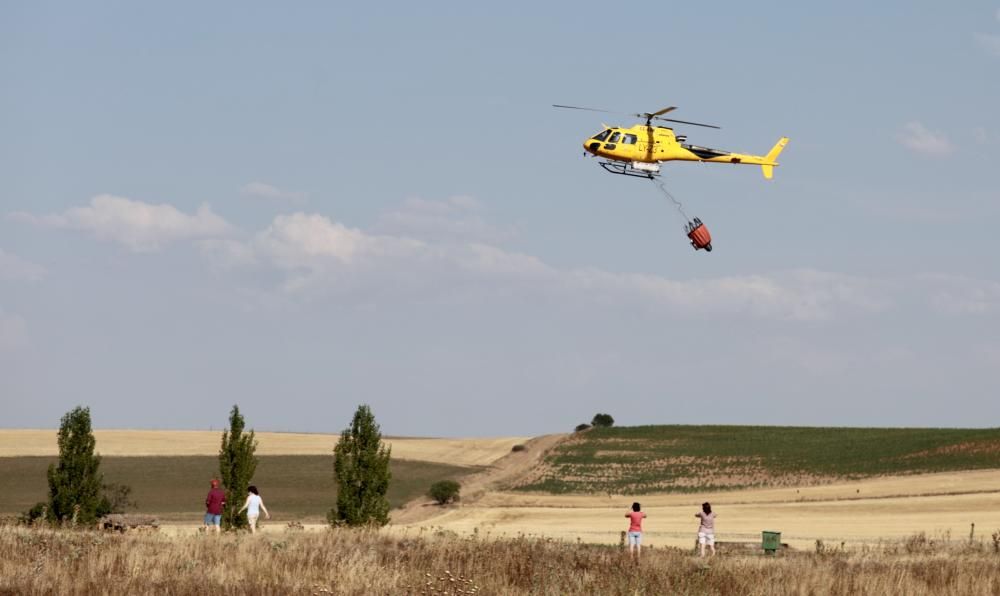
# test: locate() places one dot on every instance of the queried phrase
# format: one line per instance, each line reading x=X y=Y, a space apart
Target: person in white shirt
x=706 y=529
x=254 y=504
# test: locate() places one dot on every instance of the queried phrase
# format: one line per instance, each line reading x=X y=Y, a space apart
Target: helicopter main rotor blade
x=588 y=109
x=660 y=113
x=686 y=122
x=648 y=116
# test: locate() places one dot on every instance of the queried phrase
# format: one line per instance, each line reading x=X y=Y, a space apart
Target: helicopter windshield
x=602 y=135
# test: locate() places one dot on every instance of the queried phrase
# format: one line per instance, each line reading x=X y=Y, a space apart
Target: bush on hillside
x=602 y=421
x=444 y=491
x=517 y=448
x=581 y=427
x=37 y=514
x=116 y=498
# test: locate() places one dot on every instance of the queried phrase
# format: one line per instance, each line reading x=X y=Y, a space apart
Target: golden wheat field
x=861 y=512
x=140 y=443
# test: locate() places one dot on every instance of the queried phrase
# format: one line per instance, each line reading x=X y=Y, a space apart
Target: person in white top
x=706 y=529
x=254 y=504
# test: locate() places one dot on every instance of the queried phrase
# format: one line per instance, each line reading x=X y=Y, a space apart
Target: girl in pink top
x=635 y=518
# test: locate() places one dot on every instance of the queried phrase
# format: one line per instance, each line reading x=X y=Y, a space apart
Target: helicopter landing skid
x=627 y=169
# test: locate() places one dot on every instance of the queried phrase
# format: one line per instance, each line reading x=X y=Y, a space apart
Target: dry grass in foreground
x=41 y=561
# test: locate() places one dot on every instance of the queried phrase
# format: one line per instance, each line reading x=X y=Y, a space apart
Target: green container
x=771 y=541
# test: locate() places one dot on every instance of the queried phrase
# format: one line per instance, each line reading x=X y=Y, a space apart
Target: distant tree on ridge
x=602 y=421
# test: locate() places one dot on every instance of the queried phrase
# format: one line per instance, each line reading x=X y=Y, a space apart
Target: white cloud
x=14 y=268
x=798 y=295
x=309 y=241
x=13 y=331
x=455 y=219
x=957 y=295
x=988 y=43
x=319 y=255
x=142 y=227
x=981 y=135
x=266 y=191
x=916 y=137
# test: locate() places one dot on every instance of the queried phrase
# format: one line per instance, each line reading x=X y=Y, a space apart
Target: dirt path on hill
x=501 y=472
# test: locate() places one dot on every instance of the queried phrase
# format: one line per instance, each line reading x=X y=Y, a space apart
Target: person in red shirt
x=635 y=518
x=214 y=503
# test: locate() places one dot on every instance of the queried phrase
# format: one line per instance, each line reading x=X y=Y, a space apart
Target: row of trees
x=361 y=471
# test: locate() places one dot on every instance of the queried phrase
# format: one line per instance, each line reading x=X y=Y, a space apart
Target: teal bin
x=771 y=541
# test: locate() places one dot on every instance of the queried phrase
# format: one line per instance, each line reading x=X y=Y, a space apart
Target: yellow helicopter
x=638 y=151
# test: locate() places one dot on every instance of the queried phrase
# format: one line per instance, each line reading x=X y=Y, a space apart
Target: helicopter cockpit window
x=629 y=139
x=602 y=135
x=614 y=138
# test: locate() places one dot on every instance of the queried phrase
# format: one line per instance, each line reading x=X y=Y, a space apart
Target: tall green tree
x=361 y=470
x=76 y=480
x=237 y=464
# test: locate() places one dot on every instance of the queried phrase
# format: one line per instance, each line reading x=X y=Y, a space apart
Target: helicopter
x=638 y=151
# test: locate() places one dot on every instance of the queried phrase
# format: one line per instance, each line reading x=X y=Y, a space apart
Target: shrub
x=581 y=427
x=603 y=421
x=36 y=514
x=116 y=499
x=518 y=447
x=444 y=491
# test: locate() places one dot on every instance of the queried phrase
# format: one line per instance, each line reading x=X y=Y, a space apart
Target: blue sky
x=300 y=209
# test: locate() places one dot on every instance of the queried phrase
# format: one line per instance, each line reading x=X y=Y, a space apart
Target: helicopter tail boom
x=772 y=155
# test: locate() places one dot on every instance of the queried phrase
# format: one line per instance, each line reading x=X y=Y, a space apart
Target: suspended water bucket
x=698 y=233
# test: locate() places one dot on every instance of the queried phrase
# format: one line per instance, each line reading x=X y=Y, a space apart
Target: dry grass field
x=42 y=561
x=144 y=443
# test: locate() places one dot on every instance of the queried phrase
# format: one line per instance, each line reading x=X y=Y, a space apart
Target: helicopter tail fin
x=772 y=155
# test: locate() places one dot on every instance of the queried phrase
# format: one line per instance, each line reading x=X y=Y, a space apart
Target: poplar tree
x=361 y=471
x=237 y=465
x=76 y=480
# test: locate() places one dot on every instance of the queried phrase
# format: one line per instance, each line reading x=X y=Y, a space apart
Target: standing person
x=635 y=518
x=253 y=505
x=706 y=530
x=214 y=503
